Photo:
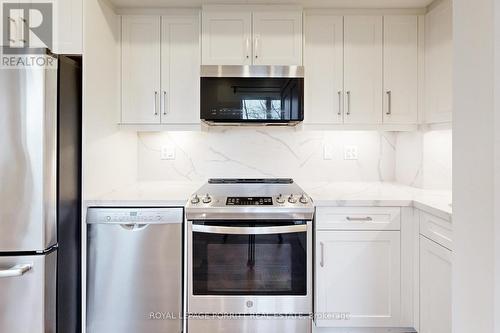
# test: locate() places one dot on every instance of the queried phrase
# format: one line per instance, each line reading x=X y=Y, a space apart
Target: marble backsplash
x=424 y=159
x=267 y=152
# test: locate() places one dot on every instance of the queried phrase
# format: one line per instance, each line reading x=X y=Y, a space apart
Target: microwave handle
x=209 y=229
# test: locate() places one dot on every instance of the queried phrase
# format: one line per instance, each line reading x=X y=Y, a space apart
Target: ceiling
x=305 y=3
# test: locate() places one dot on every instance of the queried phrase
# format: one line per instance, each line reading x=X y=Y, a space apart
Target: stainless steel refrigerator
x=40 y=145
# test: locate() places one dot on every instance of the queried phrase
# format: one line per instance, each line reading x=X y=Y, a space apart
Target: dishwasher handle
x=134 y=226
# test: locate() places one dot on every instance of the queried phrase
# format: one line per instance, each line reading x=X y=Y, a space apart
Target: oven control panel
x=249 y=201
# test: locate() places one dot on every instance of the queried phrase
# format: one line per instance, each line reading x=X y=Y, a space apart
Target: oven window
x=259 y=264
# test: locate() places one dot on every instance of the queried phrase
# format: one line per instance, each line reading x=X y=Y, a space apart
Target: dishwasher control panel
x=134 y=215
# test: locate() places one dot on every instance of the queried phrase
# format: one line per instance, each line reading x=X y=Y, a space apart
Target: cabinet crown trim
x=251 y=8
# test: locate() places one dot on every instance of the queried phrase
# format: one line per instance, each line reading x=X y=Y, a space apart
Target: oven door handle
x=209 y=229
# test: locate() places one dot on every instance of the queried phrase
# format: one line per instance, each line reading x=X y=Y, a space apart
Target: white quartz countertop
x=380 y=194
x=323 y=193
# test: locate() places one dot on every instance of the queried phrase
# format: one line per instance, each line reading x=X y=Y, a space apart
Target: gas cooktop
x=263 y=198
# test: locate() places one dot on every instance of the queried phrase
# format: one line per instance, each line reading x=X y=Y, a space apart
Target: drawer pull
x=359 y=219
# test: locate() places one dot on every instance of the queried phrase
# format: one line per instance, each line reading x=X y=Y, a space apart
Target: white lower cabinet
x=435 y=287
x=358 y=279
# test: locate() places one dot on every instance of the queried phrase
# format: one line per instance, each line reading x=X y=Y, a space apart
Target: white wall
x=497 y=166
x=266 y=152
x=109 y=155
x=473 y=167
x=424 y=159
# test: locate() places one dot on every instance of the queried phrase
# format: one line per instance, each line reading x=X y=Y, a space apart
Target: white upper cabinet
x=363 y=69
x=277 y=38
x=435 y=287
x=439 y=63
x=68 y=23
x=226 y=38
x=140 y=69
x=358 y=273
x=243 y=37
x=324 y=64
x=180 y=69
x=160 y=69
x=400 y=69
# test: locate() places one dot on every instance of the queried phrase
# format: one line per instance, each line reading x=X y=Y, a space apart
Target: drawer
x=358 y=218
x=437 y=229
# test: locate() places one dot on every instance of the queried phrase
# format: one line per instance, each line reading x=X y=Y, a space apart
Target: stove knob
x=280 y=199
x=195 y=199
x=207 y=198
x=303 y=199
x=292 y=199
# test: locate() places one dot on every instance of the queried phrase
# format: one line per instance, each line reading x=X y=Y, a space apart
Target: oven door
x=249 y=267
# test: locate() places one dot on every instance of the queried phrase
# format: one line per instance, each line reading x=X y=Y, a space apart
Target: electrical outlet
x=167 y=152
x=328 y=152
x=350 y=152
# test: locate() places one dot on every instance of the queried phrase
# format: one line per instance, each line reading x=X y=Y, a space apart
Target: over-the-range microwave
x=239 y=95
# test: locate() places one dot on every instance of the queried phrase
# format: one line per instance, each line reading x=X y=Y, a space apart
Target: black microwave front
x=252 y=94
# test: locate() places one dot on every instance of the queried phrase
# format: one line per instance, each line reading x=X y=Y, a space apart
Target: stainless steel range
x=249 y=257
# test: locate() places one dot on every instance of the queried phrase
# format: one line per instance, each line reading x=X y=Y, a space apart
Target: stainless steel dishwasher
x=134 y=270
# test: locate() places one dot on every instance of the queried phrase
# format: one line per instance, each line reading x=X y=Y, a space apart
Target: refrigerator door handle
x=17 y=270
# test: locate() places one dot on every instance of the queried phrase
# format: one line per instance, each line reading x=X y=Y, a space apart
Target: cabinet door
x=363 y=69
x=400 y=69
x=439 y=63
x=226 y=38
x=140 y=69
x=358 y=278
x=13 y=26
x=277 y=38
x=180 y=69
x=435 y=287
x=68 y=26
x=324 y=63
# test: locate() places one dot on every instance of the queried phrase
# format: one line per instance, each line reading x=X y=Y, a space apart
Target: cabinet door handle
x=248 y=47
x=256 y=46
x=340 y=103
x=348 y=102
x=164 y=103
x=359 y=219
x=9 y=29
x=322 y=254
x=389 y=102
x=155 y=106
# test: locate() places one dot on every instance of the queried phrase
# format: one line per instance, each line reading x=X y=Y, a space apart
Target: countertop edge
x=426 y=207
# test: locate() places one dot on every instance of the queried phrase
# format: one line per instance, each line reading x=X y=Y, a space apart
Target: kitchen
x=322 y=205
